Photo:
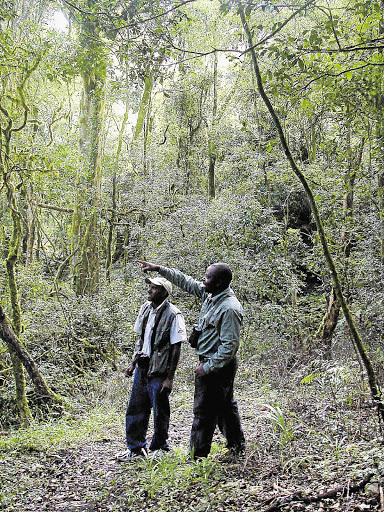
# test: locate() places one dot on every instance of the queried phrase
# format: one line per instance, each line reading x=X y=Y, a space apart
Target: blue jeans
x=146 y=395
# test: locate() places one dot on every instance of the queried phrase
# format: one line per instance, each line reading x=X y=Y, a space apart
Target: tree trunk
x=31 y=222
x=375 y=392
x=211 y=175
x=144 y=104
x=21 y=354
x=114 y=191
x=329 y=322
x=85 y=235
x=13 y=254
x=11 y=261
x=211 y=135
x=144 y=121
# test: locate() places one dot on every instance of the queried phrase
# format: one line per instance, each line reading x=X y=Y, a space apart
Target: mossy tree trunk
x=18 y=350
x=85 y=231
x=330 y=319
x=11 y=261
x=373 y=385
x=7 y=131
x=31 y=217
x=114 y=217
x=145 y=103
x=144 y=119
x=18 y=353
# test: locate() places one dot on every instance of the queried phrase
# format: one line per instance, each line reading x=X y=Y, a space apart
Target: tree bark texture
x=211 y=136
x=31 y=223
x=114 y=186
x=144 y=105
x=11 y=261
x=85 y=235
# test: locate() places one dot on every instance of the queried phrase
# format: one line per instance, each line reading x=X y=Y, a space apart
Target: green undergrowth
x=313 y=430
x=59 y=434
x=171 y=481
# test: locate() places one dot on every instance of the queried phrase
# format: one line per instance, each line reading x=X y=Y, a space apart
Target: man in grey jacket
x=218 y=332
x=161 y=330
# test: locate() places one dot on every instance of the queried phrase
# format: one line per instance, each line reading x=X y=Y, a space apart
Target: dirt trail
x=86 y=477
x=76 y=479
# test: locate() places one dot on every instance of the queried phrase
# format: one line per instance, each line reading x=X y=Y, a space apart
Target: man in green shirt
x=218 y=326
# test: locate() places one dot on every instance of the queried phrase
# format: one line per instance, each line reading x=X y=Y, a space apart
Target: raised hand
x=146 y=266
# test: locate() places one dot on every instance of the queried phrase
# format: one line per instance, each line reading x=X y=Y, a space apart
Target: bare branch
x=272 y=34
x=53 y=207
x=139 y=22
x=336 y=75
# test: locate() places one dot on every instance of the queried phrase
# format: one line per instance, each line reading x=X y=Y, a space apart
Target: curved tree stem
x=375 y=392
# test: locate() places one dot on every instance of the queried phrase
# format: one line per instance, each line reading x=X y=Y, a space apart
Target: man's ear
x=219 y=284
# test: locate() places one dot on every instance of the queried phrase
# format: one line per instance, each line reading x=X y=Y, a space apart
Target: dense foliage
x=137 y=130
x=173 y=112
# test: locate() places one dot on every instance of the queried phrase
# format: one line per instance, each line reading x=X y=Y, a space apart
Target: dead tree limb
x=333 y=493
x=14 y=345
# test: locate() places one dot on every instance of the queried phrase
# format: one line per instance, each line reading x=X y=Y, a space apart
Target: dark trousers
x=146 y=394
x=214 y=404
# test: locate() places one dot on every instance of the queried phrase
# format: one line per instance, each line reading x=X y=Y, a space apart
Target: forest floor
x=308 y=448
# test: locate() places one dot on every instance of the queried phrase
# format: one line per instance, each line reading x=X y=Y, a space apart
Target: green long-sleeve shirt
x=220 y=320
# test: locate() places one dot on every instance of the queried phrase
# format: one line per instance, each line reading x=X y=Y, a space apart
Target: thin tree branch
x=132 y=25
x=53 y=207
x=299 y=496
x=140 y=22
x=272 y=34
x=336 y=75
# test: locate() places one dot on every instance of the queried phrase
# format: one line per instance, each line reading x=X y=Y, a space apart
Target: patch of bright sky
x=58 y=21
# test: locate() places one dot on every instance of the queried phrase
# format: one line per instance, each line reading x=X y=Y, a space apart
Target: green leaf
x=310 y=378
x=313 y=37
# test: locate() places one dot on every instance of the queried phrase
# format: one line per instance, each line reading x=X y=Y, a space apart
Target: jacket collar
x=228 y=292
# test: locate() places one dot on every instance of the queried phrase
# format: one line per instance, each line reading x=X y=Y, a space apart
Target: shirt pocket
x=160 y=360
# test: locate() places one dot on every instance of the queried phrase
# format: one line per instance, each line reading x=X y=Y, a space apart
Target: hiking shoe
x=129 y=455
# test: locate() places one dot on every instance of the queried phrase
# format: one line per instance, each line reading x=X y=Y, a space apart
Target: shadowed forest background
x=184 y=133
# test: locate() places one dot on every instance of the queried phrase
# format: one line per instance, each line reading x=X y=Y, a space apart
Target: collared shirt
x=220 y=320
x=177 y=334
